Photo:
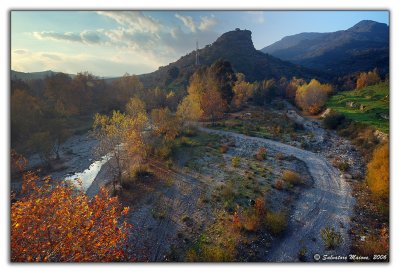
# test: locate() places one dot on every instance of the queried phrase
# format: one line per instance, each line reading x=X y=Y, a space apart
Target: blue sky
x=111 y=43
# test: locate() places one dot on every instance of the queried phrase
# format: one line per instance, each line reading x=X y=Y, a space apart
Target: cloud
x=207 y=22
x=135 y=20
x=137 y=39
x=86 y=36
x=187 y=21
x=20 y=51
x=55 y=57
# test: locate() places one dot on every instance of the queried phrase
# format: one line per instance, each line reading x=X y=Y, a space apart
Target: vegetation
x=378 y=172
x=369 y=105
x=331 y=238
x=312 y=97
x=261 y=154
x=120 y=137
x=368 y=78
x=56 y=223
x=333 y=120
x=276 y=222
x=292 y=177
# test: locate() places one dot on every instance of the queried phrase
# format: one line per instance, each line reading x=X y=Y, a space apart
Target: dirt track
x=328 y=203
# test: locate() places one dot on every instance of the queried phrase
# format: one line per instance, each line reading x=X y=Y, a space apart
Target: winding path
x=328 y=203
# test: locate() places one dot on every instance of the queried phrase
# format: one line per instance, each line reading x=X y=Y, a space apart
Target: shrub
x=292 y=177
x=280 y=156
x=276 y=222
x=333 y=120
x=279 y=185
x=235 y=161
x=331 y=238
x=251 y=221
x=341 y=164
x=374 y=244
x=378 y=172
x=261 y=154
x=224 y=148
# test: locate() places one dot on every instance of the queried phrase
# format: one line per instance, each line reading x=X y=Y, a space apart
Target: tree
x=312 y=97
x=242 y=91
x=264 y=92
x=26 y=112
x=165 y=123
x=378 y=172
x=213 y=105
x=221 y=74
x=189 y=109
x=125 y=88
x=135 y=106
x=121 y=138
x=291 y=89
x=56 y=223
x=368 y=78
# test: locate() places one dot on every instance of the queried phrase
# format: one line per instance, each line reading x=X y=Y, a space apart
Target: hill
x=237 y=48
x=359 y=48
x=25 y=76
x=369 y=105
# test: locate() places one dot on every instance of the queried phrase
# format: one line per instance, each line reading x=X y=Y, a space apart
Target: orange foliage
x=378 y=172
x=213 y=105
x=60 y=224
x=366 y=79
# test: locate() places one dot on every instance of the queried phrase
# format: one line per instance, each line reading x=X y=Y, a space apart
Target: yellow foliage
x=378 y=172
x=368 y=78
x=312 y=97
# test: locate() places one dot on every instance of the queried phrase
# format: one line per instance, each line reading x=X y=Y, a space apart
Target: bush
x=276 y=222
x=292 y=177
x=333 y=120
x=279 y=185
x=366 y=79
x=224 y=148
x=378 y=172
x=331 y=238
x=261 y=154
x=235 y=161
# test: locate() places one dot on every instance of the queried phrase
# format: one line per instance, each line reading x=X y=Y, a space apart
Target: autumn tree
x=57 y=223
x=125 y=88
x=378 y=172
x=26 y=113
x=312 y=97
x=367 y=79
x=242 y=91
x=165 y=123
x=121 y=138
x=135 y=107
x=213 y=105
x=189 y=109
x=291 y=89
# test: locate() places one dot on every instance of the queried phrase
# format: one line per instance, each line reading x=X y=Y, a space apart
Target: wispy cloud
x=257 y=16
x=135 y=20
x=187 y=21
x=86 y=37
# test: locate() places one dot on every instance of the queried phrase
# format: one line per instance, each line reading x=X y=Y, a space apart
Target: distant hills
x=25 y=76
x=237 y=48
x=359 y=48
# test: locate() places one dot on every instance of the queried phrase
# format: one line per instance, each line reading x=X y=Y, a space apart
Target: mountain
x=32 y=75
x=359 y=48
x=237 y=48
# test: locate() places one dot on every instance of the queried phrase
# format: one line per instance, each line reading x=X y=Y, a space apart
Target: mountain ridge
x=362 y=47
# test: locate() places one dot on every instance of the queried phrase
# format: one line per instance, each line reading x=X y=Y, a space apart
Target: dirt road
x=327 y=204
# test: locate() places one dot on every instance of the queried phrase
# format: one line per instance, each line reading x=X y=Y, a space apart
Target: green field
x=374 y=99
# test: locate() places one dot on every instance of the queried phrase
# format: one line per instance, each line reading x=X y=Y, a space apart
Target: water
x=87 y=176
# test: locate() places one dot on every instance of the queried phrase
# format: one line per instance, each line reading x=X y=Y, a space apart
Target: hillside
x=236 y=47
x=359 y=48
x=369 y=105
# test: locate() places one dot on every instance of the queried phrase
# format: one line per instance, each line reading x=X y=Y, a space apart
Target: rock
x=326 y=112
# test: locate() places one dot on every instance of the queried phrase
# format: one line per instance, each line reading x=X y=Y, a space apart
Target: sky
x=112 y=43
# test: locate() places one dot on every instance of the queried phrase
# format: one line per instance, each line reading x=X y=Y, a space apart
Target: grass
x=292 y=177
x=276 y=222
x=331 y=237
x=376 y=100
